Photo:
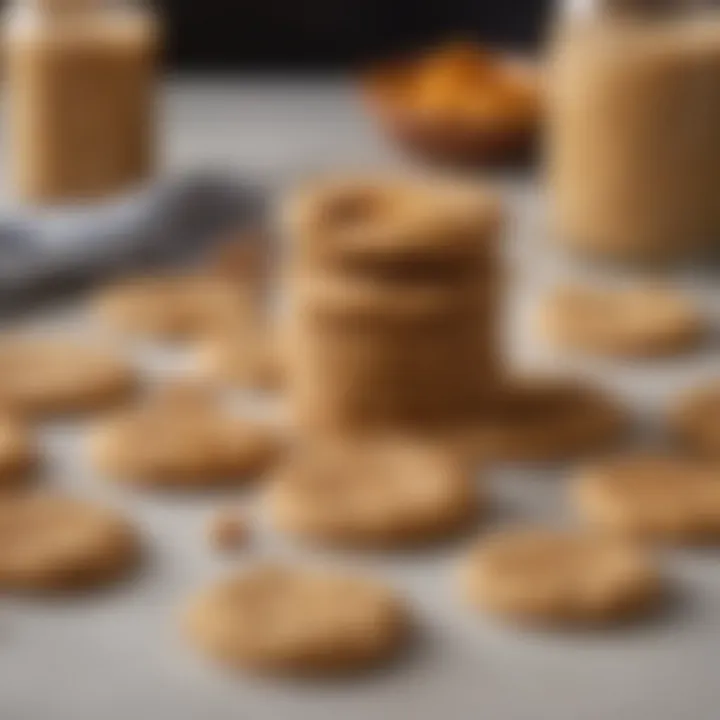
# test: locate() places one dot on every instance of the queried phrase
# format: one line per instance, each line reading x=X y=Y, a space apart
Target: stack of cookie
x=393 y=293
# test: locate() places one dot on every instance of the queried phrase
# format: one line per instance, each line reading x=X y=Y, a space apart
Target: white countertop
x=119 y=656
x=271 y=126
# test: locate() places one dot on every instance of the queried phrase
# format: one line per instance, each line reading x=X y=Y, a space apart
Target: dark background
x=334 y=34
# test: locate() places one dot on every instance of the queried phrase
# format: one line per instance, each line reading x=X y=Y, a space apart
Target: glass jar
x=633 y=137
x=80 y=95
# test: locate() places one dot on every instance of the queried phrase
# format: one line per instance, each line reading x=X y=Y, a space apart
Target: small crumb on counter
x=228 y=530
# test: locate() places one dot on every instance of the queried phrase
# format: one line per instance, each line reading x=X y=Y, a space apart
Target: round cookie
x=695 y=419
x=635 y=322
x=18 y=455
x=381 y=221
x=289 y=621
x=181 y=438
x=174 y=306
x=243 y=355
x=52 y=543
x=556 y=578
x=547 y=419
x=661 y=498
x=48 y=376
x=377 y=493
x=346 y=299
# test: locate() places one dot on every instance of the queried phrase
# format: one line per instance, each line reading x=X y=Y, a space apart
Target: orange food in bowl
x=462 y=101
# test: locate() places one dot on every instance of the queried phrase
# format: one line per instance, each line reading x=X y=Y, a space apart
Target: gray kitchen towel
x=43 y=251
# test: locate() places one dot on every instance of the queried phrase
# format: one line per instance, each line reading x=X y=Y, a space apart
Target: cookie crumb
x=228 y=530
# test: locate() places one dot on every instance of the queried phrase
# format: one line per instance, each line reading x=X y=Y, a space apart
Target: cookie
x=48 y=376
x=181 y=437
x=343 y=299
x=624 y=323
x=244 y=354
x=656 y=497
x=370 y=492
x=18 y=455
x=173 y=306
x=393 y=288
x=556 y=578
x=366 y=379
x=291 y=621
x=547 y=419
x=52 y=543
x=695 y=420
x=382 y=221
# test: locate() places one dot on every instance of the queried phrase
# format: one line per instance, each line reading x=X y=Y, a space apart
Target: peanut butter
x=633 y=161
x=80 y=96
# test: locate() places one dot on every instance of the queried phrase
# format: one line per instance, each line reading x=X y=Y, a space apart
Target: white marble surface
x=119 y=655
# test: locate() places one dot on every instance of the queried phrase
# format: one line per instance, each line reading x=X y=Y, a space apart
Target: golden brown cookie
x=282 y=620
x=47 y=376
x=52 y=543
x=245 y=354
x=652 y=496
x=18 y=455
x=353 y=221
x=634 y=322
x=182 y=438
x=372 y=492
x=556 y=578
x=174 y=306
x=547 y=419
x=695 y=419
x=357 y=301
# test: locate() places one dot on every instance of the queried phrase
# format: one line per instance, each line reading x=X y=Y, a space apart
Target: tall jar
x=80 y=95
x=633 y=137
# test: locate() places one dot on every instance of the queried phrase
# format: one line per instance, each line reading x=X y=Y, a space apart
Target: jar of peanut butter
x=80 y=94
x=633 y=137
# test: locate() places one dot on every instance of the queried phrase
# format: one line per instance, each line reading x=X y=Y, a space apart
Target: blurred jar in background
x=80 y=87
x=633 y=137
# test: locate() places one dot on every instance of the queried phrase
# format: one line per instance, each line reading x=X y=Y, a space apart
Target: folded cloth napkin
x=43 y=251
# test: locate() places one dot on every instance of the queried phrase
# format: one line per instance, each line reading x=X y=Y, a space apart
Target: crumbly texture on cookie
x=53 y=543
x=283 y=620
x=373 y=492
x=634 y=322
x=228 y=530
x=174 y=306
x=47 y=376
x=664 y=498
x=244 y=354
x=18 y=454
x=182 y=438
x=547 y=419
x=695 y=419
x=381 y=220
x=555 y=578
x=342 y=298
